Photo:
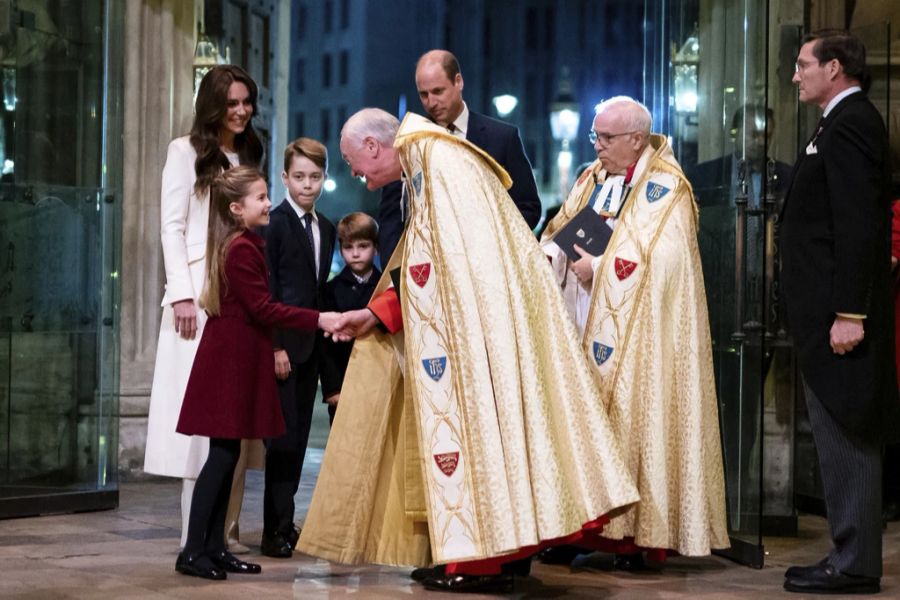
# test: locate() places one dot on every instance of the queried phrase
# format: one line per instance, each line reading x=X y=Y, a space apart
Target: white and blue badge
x=435 y=367
x=602 y=352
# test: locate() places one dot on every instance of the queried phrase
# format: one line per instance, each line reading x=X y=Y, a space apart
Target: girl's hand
x=282 y=364
x=328 y=322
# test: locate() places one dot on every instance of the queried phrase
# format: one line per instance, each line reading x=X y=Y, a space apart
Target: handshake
x=343 y=327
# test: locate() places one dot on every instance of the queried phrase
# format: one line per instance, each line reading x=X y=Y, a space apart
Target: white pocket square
x=811 y=149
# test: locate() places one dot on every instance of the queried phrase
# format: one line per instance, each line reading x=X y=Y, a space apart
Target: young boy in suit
x=350 y=290
x=299 y=247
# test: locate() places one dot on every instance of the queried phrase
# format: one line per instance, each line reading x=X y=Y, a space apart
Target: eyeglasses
x=606 y=138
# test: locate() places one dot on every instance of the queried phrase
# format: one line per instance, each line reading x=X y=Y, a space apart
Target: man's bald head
x=440 y=85
x=622 y=126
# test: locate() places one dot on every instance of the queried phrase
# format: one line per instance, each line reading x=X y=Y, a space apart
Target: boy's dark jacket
x=343 y=293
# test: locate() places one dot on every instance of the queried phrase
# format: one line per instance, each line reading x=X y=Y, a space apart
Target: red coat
x=231 y=391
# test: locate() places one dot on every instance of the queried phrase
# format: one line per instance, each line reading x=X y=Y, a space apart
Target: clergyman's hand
x=846 y=334
x=583 y=267
x=185 y=318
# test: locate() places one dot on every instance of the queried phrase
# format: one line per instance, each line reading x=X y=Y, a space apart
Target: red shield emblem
x=420 y=273
x=447 y=462
x=624 y=268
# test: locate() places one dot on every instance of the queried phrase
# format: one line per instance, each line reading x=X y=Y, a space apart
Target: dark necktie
x=451 y=128
x=307 y=222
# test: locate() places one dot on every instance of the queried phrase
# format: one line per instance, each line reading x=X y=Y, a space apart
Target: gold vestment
x=491 y=436
x=647 y=334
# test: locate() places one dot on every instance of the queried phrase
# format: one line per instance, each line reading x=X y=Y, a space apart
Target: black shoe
x=826 y=579
x=629 y=562
x=198 y=565
x=292 y=536
x=228 y=561
x=559 y=555
x=276 y=546
x=798 y=571
x=496 y=584
x=424 y=573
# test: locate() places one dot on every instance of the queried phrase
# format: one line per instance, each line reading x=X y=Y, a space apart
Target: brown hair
x=848 y=49
x=308 y=147
x=227 y=187
x=211 y=107
x=446 y=59
x=357 y=226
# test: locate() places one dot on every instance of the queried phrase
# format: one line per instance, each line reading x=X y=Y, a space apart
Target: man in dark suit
x=835 y=241
x=299 y=246
x=440 y=86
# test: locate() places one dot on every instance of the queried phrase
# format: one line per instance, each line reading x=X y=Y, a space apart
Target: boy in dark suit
x=350 y=290
x=299 y=246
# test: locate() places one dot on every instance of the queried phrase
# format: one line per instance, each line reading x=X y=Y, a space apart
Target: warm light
x=505 y=104
x=686 y=101
x=329 y=185
x=564 y=124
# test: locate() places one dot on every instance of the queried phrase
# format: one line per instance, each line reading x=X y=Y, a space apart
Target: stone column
x=159 y=47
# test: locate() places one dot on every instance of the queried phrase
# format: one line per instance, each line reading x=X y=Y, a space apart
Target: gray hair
x=636 y=116
x=371 y=122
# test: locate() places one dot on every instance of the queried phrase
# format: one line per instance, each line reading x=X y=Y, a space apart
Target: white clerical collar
x=834 y=101
x=362 y=278
x=462 y=122
x=300 y=212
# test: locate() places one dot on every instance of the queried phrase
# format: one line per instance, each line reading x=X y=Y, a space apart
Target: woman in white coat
x=222 y=136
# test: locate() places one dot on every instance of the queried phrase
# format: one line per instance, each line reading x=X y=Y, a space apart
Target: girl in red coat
x=231 y=392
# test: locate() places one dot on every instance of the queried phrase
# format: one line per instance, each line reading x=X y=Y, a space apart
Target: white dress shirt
x=317 y=244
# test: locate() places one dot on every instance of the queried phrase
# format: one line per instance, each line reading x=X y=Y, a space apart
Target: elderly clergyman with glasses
x=641 y=306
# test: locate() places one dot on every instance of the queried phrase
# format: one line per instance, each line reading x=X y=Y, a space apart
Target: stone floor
x=130 y=553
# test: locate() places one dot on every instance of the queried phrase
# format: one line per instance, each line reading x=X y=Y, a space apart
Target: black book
x=395 y=278
x=587 y=229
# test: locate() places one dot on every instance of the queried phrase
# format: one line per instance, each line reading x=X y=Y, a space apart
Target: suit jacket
x=835 y=244
x=500 y=140
x=343 y=293
x=293 y=279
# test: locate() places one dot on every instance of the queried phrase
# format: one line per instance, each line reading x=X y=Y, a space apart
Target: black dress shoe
x=198 y=565
x=292 y=536
x=629 y=562
x=427 y=573
x=798 y=571
x=826 y=579
x=473 y=584
x=228 y=561
x=559 y=555
x=276 y=546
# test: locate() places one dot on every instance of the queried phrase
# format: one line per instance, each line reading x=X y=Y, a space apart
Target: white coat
x=184 y=220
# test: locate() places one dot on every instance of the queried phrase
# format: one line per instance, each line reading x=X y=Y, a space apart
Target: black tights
x=206 y=526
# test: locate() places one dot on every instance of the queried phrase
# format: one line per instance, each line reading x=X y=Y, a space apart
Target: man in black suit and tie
x=835 y=242
x=299 y=245
x=440 y=86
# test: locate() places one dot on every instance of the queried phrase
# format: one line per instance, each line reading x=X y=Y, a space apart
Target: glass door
x=706 y=83
x=59 y=224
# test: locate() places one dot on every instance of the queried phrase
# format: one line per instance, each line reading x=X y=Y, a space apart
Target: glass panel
x=705 y=83
x=58 y=395
x=59 y=245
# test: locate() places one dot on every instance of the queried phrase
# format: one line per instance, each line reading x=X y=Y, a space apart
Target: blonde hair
x=229 y=186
